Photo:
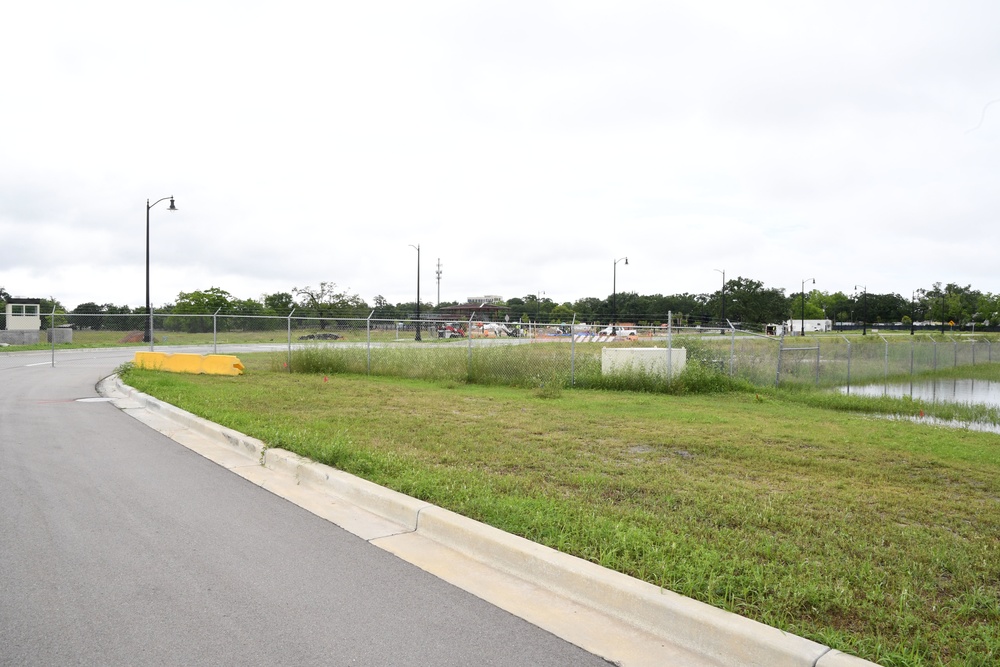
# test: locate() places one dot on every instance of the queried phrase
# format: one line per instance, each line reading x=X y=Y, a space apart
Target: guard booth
x=23 y=325
x=23 y=322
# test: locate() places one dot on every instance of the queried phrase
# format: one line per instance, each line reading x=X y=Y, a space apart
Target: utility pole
x=439 y=282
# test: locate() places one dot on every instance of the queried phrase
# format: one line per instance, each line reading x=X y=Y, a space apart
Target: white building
x=794 y=327
x=489 y=298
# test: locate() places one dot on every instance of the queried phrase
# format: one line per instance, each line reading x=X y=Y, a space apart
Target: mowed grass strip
x=880 y=538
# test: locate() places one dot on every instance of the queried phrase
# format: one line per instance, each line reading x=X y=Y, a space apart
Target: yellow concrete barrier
x=221 y=364
x=150 y=360
x=211 y=364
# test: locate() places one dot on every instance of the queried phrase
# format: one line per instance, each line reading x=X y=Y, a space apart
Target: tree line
x=742 y=301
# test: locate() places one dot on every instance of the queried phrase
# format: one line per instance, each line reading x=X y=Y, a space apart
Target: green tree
x=587 y=309
x=689 y=309
x=191 y=305
x=753 y=304
x=951 y=303
x=88 y=316
x=532 y=307
x=837 y=306
x=887 y=308
x=520 y=308
x=813 y=306
x=988 y=310
x=325 y=302
x=279 y=303
x=112 y=309
x=46 y=307
x=562 y=313
x=385 y=310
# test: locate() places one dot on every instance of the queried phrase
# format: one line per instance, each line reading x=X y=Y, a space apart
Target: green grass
x=880 y=538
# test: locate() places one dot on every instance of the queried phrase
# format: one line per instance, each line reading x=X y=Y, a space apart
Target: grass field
x=880 y=538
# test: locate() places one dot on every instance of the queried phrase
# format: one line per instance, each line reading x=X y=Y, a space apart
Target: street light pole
x=538 y=301
x=614 y=294
x=417 y=248
x=803 y=320
x=913 y=311
x=723 y=272
x=148 y=336
x=942 y=313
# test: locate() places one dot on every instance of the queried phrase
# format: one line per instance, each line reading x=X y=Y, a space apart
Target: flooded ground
x=969 y=392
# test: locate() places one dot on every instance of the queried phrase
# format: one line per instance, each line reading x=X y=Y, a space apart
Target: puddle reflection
x=969 y=392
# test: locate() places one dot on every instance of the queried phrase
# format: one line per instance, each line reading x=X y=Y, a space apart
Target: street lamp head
x=171 y=207
x=626 y=261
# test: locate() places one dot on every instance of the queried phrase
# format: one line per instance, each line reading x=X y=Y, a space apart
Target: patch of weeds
x=548 y=388
x=124 y=370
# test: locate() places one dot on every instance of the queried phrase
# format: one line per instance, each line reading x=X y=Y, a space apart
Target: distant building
x=481 y=310
x=489 y=298
x=812 y=326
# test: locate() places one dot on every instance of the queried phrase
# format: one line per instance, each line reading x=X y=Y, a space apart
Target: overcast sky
x=525 y=145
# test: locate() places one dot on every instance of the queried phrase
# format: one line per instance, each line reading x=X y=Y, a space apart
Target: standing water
x=969 y=392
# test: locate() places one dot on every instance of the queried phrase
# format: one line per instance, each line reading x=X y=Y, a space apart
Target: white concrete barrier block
x=653 y=360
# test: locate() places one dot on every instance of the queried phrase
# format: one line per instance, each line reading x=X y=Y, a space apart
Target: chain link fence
x=563 y=355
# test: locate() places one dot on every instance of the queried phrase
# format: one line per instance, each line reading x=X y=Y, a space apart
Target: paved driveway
x=120 y=547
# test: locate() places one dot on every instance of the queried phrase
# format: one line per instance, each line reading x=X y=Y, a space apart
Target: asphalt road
x=120 y=547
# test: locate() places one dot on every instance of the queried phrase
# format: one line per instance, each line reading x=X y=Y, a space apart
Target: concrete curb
x=728 y=638
x=723 y=638
x=378 y=500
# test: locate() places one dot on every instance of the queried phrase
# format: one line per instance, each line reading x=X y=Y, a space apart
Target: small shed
x=23 y=315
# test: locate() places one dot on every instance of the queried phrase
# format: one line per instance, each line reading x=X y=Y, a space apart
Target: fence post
x=368 y=326
x=777 y=374
x=848 y=363
x=215 y=332
x=52 y=334
x=732 y=347
x=670 y=346
x=912 y=344
x=289 y=364
x=885 y=366
x=817 y=363
x=468 y=334
x=572 y=352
